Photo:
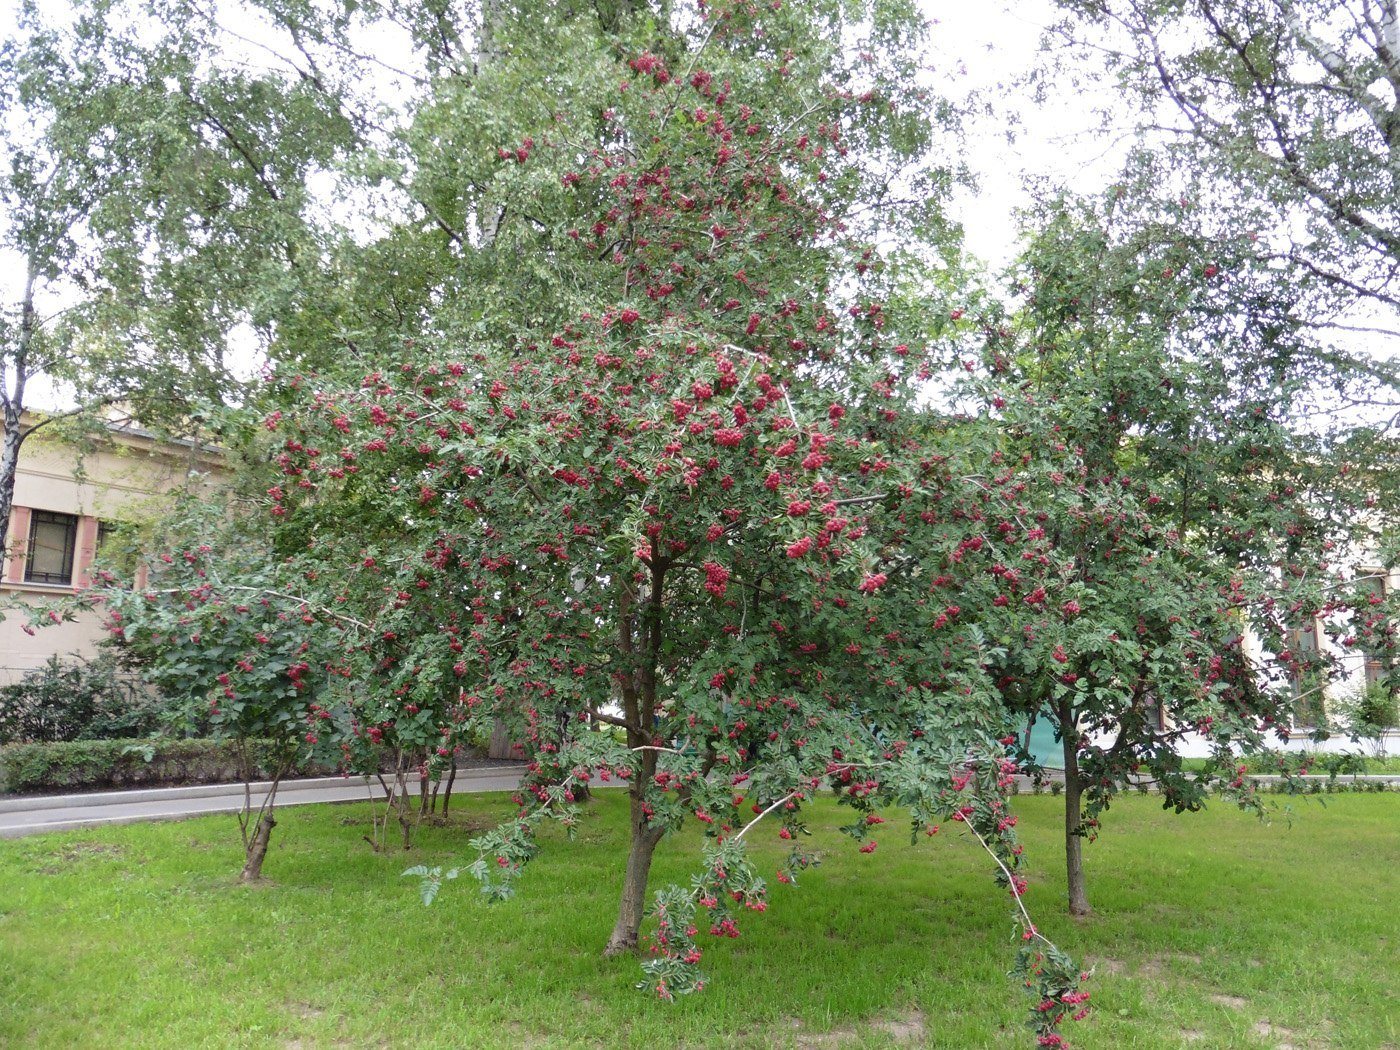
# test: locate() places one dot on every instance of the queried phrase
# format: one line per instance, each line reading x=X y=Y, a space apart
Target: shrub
x=79 y=700
x=1370 y=714
x=1304 y=763
x=93 y=764
x=1375 y=710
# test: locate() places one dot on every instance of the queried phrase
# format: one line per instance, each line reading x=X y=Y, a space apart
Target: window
x=1306 y=676
x=1373 y=585
x=105 y=531
x=1155 y=715
x=52 y=540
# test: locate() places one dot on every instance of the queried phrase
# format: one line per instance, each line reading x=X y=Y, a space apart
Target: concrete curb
x=1323 y=778
x=1056 y=777
x=258 y=788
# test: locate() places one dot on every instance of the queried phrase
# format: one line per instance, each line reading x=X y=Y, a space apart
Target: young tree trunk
x=1074 y=840
x=447 y=791
x=255 y=845
x=257 y=849
x=403 y=807
x=639 y=712
x=632 y=907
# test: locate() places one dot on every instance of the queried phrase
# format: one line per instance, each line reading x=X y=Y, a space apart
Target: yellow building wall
x=128 y=477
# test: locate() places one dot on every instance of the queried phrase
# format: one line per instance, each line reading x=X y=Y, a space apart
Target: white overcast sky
x=988 y=44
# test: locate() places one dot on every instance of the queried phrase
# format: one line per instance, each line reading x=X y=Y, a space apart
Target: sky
x=989 y=44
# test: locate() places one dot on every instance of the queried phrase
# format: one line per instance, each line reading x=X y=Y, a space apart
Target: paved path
x=27 y=816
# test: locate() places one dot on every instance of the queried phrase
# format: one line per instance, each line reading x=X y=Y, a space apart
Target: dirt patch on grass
x=1105 y=964
x=304 y=1011
x=74 y=854
x=1151 y=968
x=1282 y=1038
x=258 y=885
x=907 y=1028
x=1234 y=1002
x=1158 y=967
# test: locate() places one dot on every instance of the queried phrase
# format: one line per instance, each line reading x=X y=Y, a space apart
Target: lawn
x=1213 y=930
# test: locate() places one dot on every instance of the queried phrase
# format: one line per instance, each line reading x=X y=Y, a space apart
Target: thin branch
x=1025 y=915
x=786 y=798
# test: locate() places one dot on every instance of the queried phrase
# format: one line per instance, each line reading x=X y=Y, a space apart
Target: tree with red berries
x=678 y=515
x=682 y=535
x=1169 y=514
x=215 y=626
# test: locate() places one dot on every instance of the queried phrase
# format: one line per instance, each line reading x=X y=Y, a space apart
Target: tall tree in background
x=1296 y=105
x=155 y=197
x=1286 y=115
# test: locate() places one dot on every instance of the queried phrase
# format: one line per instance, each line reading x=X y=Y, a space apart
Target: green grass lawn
x=1213 y=930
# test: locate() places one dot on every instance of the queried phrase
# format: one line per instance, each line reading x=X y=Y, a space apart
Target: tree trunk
x=257 y=849
x=639 y=713
x=403 y=808
x=9 y=468
x=447 y=792
x=632 y=907
x=1074 y=839
x=15 y=375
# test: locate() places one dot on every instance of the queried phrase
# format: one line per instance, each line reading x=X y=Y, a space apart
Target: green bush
x=92 y=764
x=1375 y=710
x=1317 y=763
x=79 y=700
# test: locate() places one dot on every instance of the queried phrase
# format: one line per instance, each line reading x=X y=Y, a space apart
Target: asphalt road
x=29 y=816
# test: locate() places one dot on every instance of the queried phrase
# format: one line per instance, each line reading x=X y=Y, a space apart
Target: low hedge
x=93 y=764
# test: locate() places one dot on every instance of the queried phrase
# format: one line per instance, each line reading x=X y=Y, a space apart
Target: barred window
x=1307 y=677
x=53 y=538
x=1373 y=584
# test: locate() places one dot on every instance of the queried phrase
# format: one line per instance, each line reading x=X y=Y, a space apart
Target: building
x=68 y=497
x=1322 y=702
x=1320 y=713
